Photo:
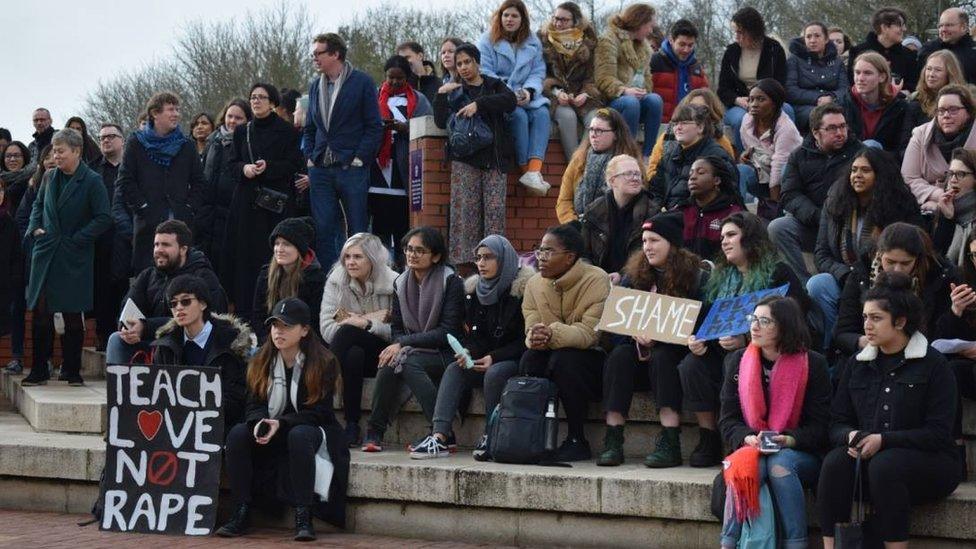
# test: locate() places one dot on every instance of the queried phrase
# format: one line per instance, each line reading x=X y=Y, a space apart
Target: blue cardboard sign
x=727 y=317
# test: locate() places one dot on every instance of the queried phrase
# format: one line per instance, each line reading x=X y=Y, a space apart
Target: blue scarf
x=161 y=150
x=684 y=78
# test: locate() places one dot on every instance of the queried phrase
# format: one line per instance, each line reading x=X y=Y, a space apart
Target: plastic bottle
x=552 y=426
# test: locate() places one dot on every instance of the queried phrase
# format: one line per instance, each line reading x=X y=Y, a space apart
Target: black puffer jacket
x=495 y=100
x=148 y=290
x=809 y=174
x=310 y=291
x=450 y=321
x=229 y=345
x=772 y=64
x=669 y=186
x=808 y=78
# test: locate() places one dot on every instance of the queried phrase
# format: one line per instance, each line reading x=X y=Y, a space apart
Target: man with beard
x=172 y=256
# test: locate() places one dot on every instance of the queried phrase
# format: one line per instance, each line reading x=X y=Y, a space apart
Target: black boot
x=613 y=446
x=71 y=343
x=709 y=450
x=43 y=345
x=667 y=452
x=304 y=531
x=238 y=524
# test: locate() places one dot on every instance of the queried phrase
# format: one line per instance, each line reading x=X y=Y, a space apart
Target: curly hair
x=679 y=278
x=761 y=256
x=891 y=198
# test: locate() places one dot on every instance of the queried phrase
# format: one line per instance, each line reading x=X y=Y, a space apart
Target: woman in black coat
x=221 y=178
x=278 y=453
x=815 y=74
x=894 y=407
x=266 y=157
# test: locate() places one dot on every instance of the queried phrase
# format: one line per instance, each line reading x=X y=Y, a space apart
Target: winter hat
x=669 y=225
x=300 y=231
x=910 y=41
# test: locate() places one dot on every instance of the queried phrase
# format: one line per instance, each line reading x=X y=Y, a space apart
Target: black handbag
x=850 y=535
x=265 y=197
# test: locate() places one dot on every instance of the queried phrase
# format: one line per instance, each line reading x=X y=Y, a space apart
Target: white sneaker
x=535 y=184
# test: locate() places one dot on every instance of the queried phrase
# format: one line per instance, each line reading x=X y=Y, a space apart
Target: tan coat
x=565 y=210
x=923 y=165
x=614 y=68
x=343 y=293
x=570 y=305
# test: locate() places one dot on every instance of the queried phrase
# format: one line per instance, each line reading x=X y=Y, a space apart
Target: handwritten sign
x=727 y=317
x=654 y=316
x=162 y=458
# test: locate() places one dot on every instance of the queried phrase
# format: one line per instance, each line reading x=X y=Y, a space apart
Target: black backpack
x=517 y=427
x=466 y=136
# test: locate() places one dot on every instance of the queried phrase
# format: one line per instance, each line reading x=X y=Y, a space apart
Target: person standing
x=43 y=131
x=70 y=212
x=161 y=178
x=418 y=77
x=220 y=176
x=340 y=139
x=108 y=287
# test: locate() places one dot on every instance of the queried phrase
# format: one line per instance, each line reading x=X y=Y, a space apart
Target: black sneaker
x=353 y=436
x=75 y=381
x=574 y=449
x=430 y=448
x=15 y=366
x=373 y=442
x=481 y=452
x=37 y=376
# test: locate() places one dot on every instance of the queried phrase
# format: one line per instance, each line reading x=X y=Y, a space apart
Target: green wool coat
x=73 y=212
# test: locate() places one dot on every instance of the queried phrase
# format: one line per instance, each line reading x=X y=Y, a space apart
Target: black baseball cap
x=292 y=311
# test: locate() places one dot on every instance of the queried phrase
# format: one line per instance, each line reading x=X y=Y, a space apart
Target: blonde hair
x=619 y=159
x=880 y=64
x=926 y=96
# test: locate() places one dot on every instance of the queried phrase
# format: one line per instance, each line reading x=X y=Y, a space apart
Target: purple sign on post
x=416 y=180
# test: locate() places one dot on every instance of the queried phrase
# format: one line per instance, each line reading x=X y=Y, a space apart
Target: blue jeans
x=787 y=472
x=120 y=352
x=825 y=292
x=747 y=178
x=733 y=118
x=331 y=187
x=646 y=110
x=530 y=130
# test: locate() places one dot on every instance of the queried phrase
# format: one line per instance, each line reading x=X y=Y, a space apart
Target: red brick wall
x=5 y=355
x=527 y=217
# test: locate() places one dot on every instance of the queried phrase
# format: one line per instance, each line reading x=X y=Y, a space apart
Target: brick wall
x=5 y=355
x=527 y=217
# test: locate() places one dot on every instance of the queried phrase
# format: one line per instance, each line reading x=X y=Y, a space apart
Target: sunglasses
x=183 y=302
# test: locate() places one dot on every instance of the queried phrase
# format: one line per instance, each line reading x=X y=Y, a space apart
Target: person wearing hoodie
x=675 y=68
x=197 y=337
x=173 y=255
x=954 y=36
x=219 y=174
x=494 y=337
x=889 y=30
x=568 y=47
x=815 y=75
x=713 y=197
x=293 y=271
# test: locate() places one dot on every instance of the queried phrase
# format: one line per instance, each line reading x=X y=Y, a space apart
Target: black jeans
x=965 y=371
x=701 y=380
x=298 y=445
x=896 y=479
x=421 y=372
x=577 y=373
x=42 y=329
x=358 y=352
x=625 y=374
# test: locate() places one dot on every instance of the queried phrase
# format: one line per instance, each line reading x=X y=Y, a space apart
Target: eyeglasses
x=410 y=250
x=478 y=258
x=109 y=137
x=683 y=123
x=316 y=53
x=598 y=131
x=545 y=253
x=834 y=128
x=961 y=174
x=563 y=19
x=182 y=302
x=257 y=97
x=628 y=175
x=951 y=111
x=764 y=321
x=12 y=156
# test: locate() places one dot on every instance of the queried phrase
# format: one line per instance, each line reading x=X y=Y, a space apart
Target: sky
x=55 y=51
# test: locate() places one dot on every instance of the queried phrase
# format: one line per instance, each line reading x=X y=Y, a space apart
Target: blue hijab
x=490 y=290
x=161 y=150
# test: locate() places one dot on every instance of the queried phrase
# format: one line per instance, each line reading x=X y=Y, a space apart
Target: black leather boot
x=304 y=531
x=238 y=524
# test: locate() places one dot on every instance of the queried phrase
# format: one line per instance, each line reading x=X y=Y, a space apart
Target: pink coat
x=924 y=167
x=786 y=140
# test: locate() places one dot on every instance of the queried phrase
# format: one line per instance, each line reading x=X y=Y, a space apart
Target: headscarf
x=489 y=290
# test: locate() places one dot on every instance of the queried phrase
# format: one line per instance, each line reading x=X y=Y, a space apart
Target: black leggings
x=299 y=444
x=358 y=352
x=577 y=374
x=625 y=374
x=42 y=328
x=896 y=479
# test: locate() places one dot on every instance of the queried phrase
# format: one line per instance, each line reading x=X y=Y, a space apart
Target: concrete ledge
x=57 y=407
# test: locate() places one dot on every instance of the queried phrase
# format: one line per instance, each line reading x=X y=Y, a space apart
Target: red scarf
x=386 y=146
x=787 y=387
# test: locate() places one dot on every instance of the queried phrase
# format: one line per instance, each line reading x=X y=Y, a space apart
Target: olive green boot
x=667 y=452
x=613 y=446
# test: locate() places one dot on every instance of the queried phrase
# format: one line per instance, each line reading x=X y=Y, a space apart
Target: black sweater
x=772 y=64
x=494 y=100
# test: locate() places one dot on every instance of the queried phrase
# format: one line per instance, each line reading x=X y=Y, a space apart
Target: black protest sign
x=162 y=457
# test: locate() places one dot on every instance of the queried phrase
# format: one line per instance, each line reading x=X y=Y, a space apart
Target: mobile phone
x=263 y=429
x=766 y=443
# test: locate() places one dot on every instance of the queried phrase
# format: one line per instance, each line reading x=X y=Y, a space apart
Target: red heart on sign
x=149 y=423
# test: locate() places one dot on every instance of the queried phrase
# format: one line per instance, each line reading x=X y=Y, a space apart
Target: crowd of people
x=843 y=171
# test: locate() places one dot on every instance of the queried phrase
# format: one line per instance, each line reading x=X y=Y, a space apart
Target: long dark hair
x=915 y=242
x=679 y=278
x=760 y=252
x=891 y=199
x=623 y=142
x=794 y=336
x=893 y=293
x=38 y=177
x=319 y=371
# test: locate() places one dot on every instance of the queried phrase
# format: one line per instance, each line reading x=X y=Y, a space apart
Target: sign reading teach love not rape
x=162 y=459
x=727 y=317
x=649 y=315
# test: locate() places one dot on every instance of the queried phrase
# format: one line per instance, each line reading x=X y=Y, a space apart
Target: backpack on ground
x=517 y=430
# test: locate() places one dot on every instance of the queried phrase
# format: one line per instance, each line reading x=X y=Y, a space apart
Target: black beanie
x=298 y=230
x=669 y=225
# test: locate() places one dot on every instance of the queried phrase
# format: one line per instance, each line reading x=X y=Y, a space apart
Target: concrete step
x=56 y=407
x=92 y=363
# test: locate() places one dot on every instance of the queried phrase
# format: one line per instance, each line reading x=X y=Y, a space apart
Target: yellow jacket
x=565 y=211
x=617 y=60
x=570 y=305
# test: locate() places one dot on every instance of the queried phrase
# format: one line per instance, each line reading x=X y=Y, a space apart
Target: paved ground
x=48 y=530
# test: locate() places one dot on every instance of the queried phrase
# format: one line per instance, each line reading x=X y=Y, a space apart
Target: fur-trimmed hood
x=917 y=347
x=241 y=344
x=518 y=285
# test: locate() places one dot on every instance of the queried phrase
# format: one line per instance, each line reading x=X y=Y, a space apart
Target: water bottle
x=552 y=426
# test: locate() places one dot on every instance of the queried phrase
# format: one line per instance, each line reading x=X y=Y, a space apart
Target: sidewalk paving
x=49 y=530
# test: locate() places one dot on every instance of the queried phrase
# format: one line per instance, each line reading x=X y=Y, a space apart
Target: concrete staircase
x=52 y=452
